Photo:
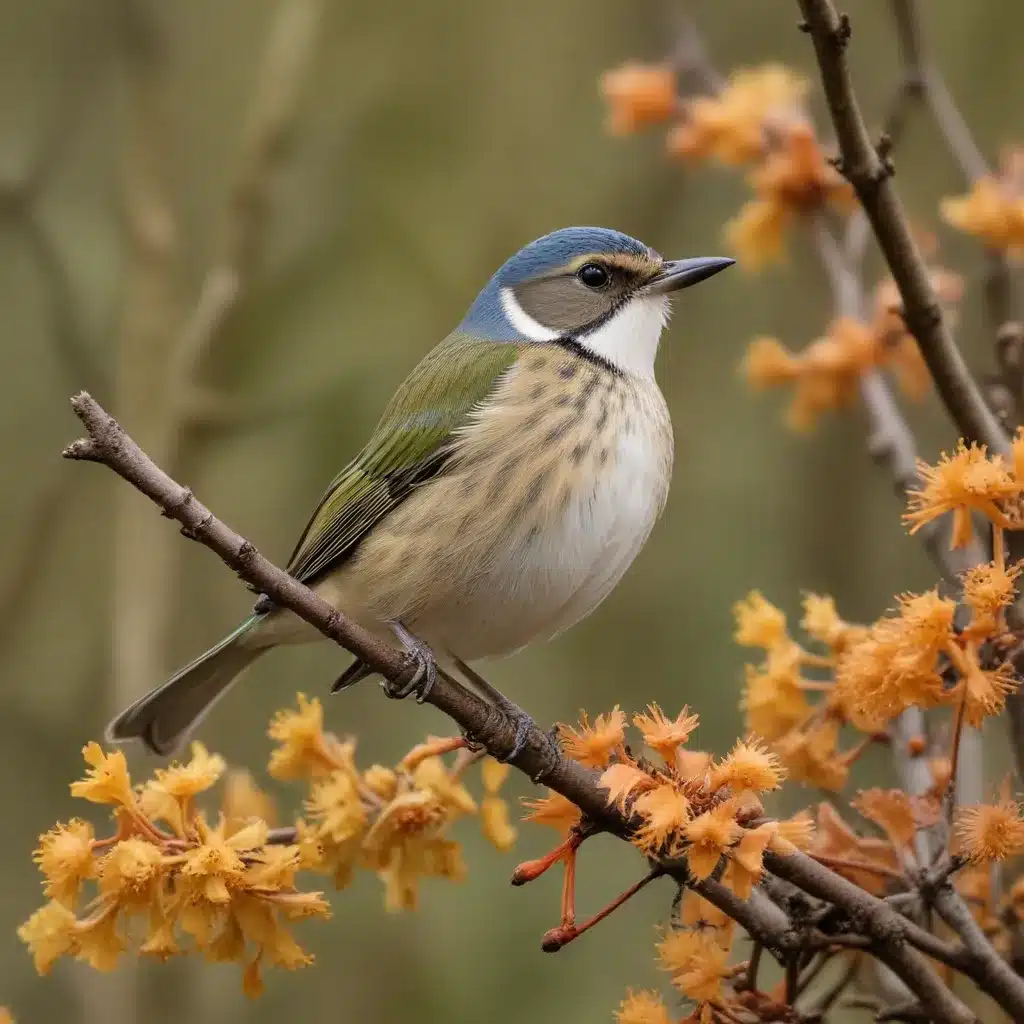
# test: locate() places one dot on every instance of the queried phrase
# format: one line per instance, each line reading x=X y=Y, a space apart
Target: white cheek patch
x=522 y=321
x=629 y=340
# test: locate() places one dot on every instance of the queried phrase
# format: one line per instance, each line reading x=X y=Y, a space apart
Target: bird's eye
x=592 y=275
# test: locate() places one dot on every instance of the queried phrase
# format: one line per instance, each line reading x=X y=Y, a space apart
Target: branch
x=989 y=970
x=107 y=443
x=871 y=178
x=292 y=40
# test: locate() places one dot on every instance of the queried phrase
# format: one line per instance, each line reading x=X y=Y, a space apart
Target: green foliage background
x=433 y=140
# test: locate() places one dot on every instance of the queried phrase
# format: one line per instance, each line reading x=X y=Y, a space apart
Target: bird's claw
x=522 y=725
x=420 y=659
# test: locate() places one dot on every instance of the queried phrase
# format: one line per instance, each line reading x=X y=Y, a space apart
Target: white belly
x=547 y=580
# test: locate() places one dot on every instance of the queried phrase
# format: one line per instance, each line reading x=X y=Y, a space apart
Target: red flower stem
x=556 y=938
x=533 y=869
x=569 y=889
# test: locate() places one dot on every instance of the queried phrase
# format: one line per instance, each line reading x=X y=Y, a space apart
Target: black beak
x=676 y=274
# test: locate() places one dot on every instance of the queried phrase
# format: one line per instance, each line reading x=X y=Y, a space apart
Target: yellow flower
x=381 y=781
x=100 y=943
x=665 y=811
x=746 y=860
x=749 y=769
x=709 y=836
x=994 y=208
x=211 y=870
x=129 y=872
x=50 y=933
x=642 y=1008
x=697 y=911
x=759 y=623
x=990 y=832
x=811 y=755
x=431 y=774
x=494 y=813
x=160 y=941
x=638 y=95
x=593 y=745
x=794 y=179
x=823 y=622
x=665 y=735
x=757 y=234
x=107 y=780
x=968 y=480
x=405 y=843
x=697 y=962
x=987 y=690
x=244 y=802
x=891 y=811
x=773 y=700
x=305 y=750
x=731 y=126
x=768 y=363
x=792 y=834
x=199 y=774
x=65 y=857
x=987 y=590
x=413 y=814
x=554 y=810
x=624 y=780
x=895 y=665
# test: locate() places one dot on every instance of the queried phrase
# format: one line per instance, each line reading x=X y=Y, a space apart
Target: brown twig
x=871 y=177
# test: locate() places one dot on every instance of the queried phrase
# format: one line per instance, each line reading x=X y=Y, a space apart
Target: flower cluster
x=693 y=806
x=228 y=889
x=393 y=821
x=915 y=656
x=993 y=210
x=826 y=374
x=758 y=120
x=777 y=694
x=227 y=886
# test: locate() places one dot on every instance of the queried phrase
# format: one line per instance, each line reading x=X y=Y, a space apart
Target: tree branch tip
x=82 y=450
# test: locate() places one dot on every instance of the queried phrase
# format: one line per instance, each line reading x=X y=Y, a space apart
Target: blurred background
x=420 y=146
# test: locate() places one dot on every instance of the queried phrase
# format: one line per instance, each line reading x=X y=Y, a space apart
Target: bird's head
x=593 y=287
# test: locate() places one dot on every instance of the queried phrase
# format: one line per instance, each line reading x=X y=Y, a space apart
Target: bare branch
x=278 y=85
x=871 y=177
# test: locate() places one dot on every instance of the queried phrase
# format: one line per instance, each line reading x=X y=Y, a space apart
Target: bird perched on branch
x=511 y=481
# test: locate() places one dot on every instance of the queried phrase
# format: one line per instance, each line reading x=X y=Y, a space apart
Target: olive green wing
x=410 y=445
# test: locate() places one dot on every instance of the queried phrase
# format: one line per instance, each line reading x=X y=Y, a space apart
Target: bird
x=511 y=481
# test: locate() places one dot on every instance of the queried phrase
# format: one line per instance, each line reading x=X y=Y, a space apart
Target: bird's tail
x=163 y=719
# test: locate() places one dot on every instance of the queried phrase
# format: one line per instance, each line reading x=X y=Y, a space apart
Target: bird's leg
x=419 y=657
x=521 y=722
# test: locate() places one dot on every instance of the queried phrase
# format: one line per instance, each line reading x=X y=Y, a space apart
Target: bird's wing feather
x=410 y=445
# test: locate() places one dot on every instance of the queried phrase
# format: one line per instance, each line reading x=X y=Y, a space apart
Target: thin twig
x=992 y=973
x=871 y=178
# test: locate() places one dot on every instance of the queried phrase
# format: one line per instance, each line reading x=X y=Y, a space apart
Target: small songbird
x=511 y=481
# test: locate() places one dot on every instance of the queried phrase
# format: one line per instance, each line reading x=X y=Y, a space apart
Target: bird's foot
x=519 y=721
x=523 y=726
x=420 y=659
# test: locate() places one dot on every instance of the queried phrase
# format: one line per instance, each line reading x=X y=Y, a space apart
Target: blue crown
x=486 y=318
